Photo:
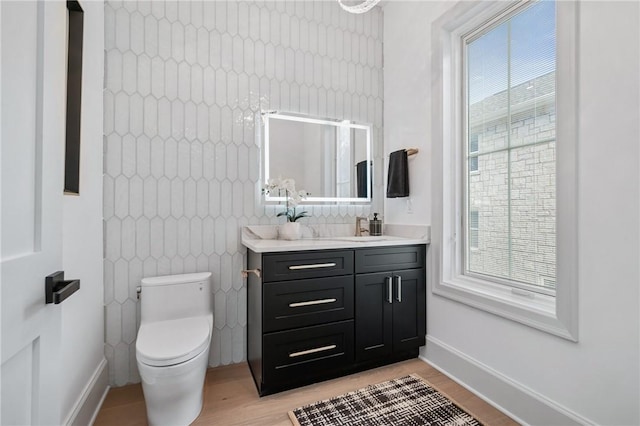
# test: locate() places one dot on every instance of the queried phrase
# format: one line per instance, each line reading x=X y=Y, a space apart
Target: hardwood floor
x=231 y=398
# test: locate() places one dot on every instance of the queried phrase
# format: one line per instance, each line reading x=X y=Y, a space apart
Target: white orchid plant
x=276 y=187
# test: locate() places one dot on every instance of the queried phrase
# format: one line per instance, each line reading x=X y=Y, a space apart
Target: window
x=509 y=69
x=507 y=168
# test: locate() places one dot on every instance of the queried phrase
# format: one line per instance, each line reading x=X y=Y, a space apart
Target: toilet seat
x=165 y=343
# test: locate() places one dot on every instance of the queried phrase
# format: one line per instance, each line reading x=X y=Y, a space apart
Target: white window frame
x=556 y=315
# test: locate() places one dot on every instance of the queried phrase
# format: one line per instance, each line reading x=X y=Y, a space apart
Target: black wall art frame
x=74 y=98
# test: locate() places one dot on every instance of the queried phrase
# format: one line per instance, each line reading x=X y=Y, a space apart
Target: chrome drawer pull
x=311 y=302
x=313 y=266
x=312 y=351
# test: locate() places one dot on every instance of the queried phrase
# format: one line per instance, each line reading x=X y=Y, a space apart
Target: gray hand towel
x=398 y=177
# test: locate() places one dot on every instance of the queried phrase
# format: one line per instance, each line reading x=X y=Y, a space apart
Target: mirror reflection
x=330 y=159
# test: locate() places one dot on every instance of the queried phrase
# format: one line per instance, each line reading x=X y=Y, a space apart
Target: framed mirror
x=330 y=159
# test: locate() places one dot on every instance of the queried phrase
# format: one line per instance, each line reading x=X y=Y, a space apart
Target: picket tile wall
x=183 y=82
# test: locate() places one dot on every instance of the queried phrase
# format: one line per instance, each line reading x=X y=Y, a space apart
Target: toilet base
x=173 y=394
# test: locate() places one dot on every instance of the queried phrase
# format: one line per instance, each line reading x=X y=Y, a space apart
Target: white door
x=33 y=91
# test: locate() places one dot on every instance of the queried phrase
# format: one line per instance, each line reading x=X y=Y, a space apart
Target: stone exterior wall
x=516 y=232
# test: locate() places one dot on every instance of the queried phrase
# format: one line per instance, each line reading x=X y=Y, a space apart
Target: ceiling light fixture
x=361 y=7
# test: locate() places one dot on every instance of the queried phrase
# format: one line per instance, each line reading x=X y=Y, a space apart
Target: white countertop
x=263 y=239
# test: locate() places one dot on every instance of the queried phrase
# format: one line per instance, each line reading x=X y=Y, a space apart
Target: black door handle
x=56 y=289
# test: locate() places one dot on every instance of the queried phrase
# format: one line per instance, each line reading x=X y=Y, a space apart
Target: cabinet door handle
x=312 y=351
x=311 y=302
x=389 y=290
x=398 y=288
x=312 y=266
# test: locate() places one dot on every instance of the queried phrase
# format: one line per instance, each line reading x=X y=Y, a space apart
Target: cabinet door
x=409 y=309
x=374 y=309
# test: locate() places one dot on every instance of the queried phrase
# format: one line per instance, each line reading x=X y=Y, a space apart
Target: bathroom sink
x=365 y=238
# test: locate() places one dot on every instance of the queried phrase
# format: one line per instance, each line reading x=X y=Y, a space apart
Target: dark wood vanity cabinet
x=314 y=315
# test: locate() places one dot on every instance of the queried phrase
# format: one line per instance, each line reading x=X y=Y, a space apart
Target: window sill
x=528 y=308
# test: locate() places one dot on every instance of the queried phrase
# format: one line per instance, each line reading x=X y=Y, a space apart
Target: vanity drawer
x=307 y=352
x=389 y=258
x=293 y=266
x=291 y=304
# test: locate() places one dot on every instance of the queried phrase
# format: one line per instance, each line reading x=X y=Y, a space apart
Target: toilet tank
x=176 y=296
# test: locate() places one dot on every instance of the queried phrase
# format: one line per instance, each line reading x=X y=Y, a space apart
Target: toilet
x=172 y=348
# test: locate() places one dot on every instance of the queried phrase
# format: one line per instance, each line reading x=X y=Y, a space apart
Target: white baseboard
x=88 y=404
x=509 y=396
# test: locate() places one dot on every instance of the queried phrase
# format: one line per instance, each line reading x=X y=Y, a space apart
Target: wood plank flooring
x=231 y=398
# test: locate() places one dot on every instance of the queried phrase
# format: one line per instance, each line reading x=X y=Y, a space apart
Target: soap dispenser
x=375 y=225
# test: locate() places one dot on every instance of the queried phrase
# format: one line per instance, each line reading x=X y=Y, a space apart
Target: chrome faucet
x=359 y=228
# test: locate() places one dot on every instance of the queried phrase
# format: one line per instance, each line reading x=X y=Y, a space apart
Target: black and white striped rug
x=405 y=401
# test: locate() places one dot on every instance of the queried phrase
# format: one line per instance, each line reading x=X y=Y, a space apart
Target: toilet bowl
x=172 y=347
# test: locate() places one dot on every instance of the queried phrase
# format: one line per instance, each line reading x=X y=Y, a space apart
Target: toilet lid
x=171 y=342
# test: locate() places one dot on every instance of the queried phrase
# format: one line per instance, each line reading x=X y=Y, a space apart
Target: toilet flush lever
x=138 y=291
x=245 y=272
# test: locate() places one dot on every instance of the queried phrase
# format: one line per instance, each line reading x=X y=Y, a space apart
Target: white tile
x=144 y=75
x=177 y=41
x=164 y=197
x=189 y=264
x=308 y=69
x=108 y=196
x=220 y=235
x=202 y=118
x=215 y=49
x=190 y=198
x=142 y=238
x=232 y=89
x=183 y=237
x=221 y=16
x=177 y=265
x=195 y=235
x=242 y=306
x=144 y=7
x=170 y=237
x=243 y=19
x=177 y=119
x=196 y=160
x=254 y=22
x=226 y=350
x=129 y=329
x=150 y=116
x=190 y=45
x=239 y=346
x=232 y=308
x=109 y=111
x=177 y=198
x=274 y=31
x=299 y=67
x=184 y=81
x=121 y=115
x=249 y=197
x=156 y=241
x=258 y=58
x=232 y=18
x=202 y=198
x=121 y=281
x=157 y=77
x=135 y=197
x=202 y=263
x=150 y=194
x=149 y=268
x=113 y=155
x=269 y=61
x=136 y=115
x=170 y=158
x=233 y=231
x=225 y=196
x=157 y=9
x=184 y=12
x=209 y=15
x=238 y=201
x=109 y=27
x=219 y=309
x=208 y=160
x=113 y=73
x=226 y=52
x=108 y=273
x=208 y=237
x=122 y=30
x=121 y=196
x=220 y=161
x=209 y=85
x=164 y=39
x=128 y=241
x=157 y=157
x=137 y=33
x=171 y=10
x=294 y=32
x=197 y=84
x=225 y=271
x=214 y=351
x=254 y=161
x=221 y=87
x=202 y=47
x=171 y=79
x=190 y=121
x=164 y=266
x=114 y=324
